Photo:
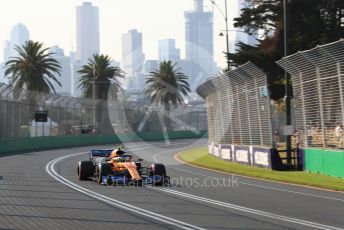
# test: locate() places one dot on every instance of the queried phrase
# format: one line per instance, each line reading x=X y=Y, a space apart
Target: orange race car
x=114 y=167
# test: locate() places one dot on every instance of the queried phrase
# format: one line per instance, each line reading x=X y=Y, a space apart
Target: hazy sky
x=54 y=21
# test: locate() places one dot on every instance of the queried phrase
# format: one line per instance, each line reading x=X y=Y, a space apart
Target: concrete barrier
x=41 y=143
x=325 y=161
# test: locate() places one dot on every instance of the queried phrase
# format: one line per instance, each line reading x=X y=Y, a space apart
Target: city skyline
x=64 y=34
x=87 y=31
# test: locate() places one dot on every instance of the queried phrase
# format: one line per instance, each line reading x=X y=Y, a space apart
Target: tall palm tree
x=98 y=74
x=96 y=77
x=167 y=86
x=33 y=67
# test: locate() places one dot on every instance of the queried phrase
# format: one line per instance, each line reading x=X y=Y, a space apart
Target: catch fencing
x=70 y=116
x=318 y=85
x=238 y=107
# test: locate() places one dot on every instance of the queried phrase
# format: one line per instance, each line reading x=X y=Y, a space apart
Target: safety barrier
x=51 y=142
x=248 y=155
x=328 y=162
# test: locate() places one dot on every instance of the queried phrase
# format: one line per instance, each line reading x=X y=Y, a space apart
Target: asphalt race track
x=40 y=191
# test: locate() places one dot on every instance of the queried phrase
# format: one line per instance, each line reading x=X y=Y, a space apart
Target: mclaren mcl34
x=116 y=167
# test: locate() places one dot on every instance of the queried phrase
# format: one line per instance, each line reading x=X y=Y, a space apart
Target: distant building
x=150 y=65
x=115 y=63
x=19 y=35
x=2 y=73
x=168 y=50
x=199 y=54
x=76 y=91
x=87 y=31
x=72 y=56
x=66 y=72
x=132 y=60
x=7 y=50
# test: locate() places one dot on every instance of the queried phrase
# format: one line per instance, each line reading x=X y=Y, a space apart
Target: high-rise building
x=150 y=65
x=2 y=73
x=198 y=31
x=168 y=50
x=65 y=77
x=76 y=66
x=87 y=31
x=132 y=60
x=19 y=35
x=199 y=53
x=7 y=50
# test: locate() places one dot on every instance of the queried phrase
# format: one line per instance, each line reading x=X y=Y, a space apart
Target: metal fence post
x=258 y=111
x=238 y=110
x=321 y=106
x=221 y=116
x=303 y=111
x=230 y=96
x=340 y=83
x=248 y=112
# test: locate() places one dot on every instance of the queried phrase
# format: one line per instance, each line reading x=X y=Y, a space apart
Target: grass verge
x=200 y=157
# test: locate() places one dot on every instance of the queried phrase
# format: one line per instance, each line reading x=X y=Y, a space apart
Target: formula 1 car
x=115 y=167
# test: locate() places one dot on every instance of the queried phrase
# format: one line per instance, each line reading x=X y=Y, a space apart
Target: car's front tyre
x=104 y=169
x=85 y=170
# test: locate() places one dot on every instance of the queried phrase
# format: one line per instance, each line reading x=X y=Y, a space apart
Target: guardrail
x=43 y=143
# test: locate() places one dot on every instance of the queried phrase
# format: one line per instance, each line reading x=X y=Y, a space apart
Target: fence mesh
x=78 y=116
x=318 y=81
x=238 y=107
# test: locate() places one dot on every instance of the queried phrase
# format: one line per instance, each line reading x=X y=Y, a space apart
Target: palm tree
x=33 y=68
x=96 y=77
x=98 y=74
x=167 y=86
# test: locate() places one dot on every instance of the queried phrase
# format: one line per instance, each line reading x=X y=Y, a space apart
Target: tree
x=167 y=86
x=99 y=75
x=33 y=68
x=311 y=23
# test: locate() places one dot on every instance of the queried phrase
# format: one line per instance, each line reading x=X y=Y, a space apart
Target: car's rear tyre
x=158 y=170
x=104 y=169
x=85 y=170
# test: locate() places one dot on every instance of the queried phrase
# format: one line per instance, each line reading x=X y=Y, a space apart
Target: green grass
x=200 y=157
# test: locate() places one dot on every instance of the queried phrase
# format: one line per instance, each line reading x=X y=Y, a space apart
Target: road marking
x=249 y=184
x=249 y=210
x=264 y=187
x=167 y=220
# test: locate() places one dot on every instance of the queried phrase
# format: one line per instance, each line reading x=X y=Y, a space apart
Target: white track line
x=249 y=210
x=167 y=220
x=265 y=187
x=250 y=184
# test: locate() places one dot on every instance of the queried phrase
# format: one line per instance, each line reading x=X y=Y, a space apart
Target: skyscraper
x=168 y=50
x=66 y=73
x=198 y=31
x=133 y=59
x=199 y=44
x=150 y=65
x=19 y=35
x=87 y=34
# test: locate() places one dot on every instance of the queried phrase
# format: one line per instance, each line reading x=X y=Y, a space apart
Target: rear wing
x=100 y=153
